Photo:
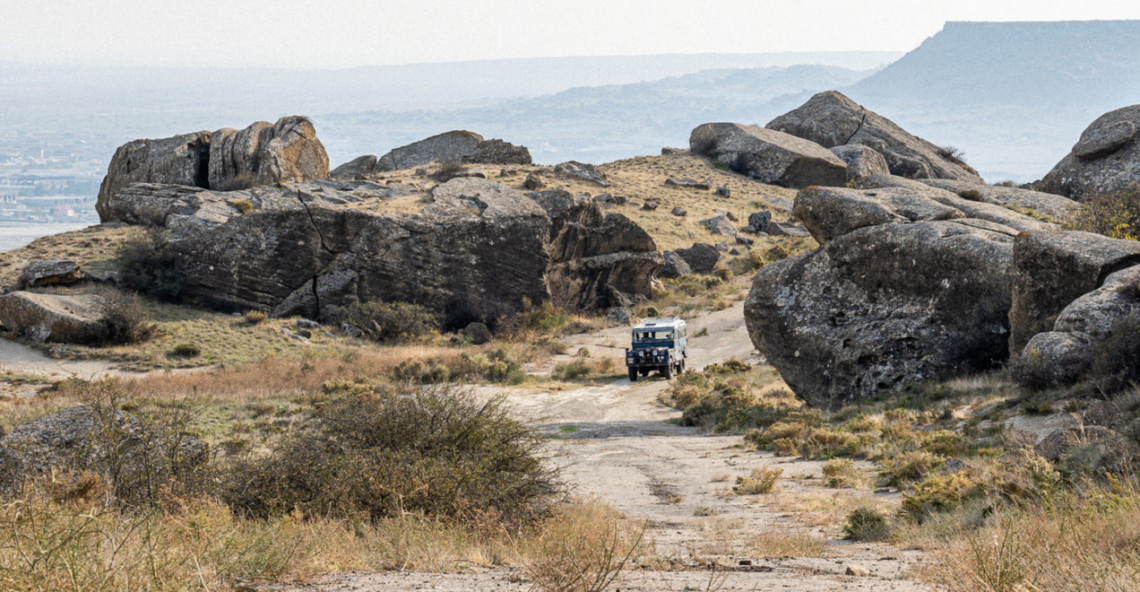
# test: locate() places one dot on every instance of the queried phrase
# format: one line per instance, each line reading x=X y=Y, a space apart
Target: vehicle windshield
x=651 y=337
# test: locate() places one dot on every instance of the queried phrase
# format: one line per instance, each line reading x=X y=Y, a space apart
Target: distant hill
x=597 y=124
x=1014 y=96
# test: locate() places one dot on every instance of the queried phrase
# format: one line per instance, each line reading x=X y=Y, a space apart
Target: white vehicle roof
x=665 y=323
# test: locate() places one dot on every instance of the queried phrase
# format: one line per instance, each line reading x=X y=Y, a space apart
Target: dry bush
x=435 y=450
x=255 y=317
x=779 y=543
x=123 y=318
x=582 y=548
x=1114 y=214
x=761 y=480
x=841 y=472
x=866 y=524
x=449 y=168
x=1084 y=542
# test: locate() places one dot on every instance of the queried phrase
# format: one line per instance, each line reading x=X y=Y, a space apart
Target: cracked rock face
x=309 y=248
x=227 y=159
x=906 y=287
x=769 y=156
x=1105 y=159
x=830 y=119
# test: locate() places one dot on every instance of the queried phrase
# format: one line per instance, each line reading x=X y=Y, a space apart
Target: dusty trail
x=616 y=442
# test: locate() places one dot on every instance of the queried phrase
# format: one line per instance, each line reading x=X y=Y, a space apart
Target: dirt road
x=617 y=442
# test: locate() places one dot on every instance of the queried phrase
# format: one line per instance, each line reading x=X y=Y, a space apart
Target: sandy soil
x=616 y=442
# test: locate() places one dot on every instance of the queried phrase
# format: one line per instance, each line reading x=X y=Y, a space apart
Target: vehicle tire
x=668 y=371
x=681 y=367
x=633 y=374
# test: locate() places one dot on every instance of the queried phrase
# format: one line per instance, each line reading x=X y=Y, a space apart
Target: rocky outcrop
x=265 y=153
x=181 y=160
x=1053 y=269
x=499 y=152
x=831 y=119
x=224 y=160
x=862 y=162
x=50 y=272
x=311 y=248
x=448 y=146
x=583 y=171
x=593 y=253
x=768 y=156
x=720 y=225
x=906 y=287
x=1105 y=159
x=56 y=318
x=357 y=169
x=1036 y=203
x=701 y=257
x=979 y=210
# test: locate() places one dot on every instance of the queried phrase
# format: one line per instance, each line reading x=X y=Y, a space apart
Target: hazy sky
x=343 y=33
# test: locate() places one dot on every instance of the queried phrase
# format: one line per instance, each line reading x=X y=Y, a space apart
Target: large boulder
x=769 y=156
x=701 y=257
x=57 y=318
x=499 y=152
x=1105 y=159
x=594 y=253
x=224 y=160
x=675 y=266
x=584 y=171
x=978 y=210
x=1067 y=350
x=862 y=161
x=1054 y=268
x=831 y=119
x=1042 y=205
x=448 y=146
x=265 y=153
x=905 y=287
x=50 y=272
x=312 y=248
x=357 y=169
x=181 y=160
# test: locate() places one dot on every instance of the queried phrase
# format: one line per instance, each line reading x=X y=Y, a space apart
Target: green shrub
x=185 y=350
x=151 y=265
x=910 y=467
x=386 y=321
x=434 y=450
x=866 y=525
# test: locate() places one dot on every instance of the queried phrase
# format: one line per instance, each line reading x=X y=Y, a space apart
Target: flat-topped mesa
x=910 y=283
x=1105 y=159
x=831 y=119
x=768 y=156
x=224 y=160
x=469 y=244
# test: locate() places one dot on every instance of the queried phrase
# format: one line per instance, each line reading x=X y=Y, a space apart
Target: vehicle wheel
x=681 y=367
x=633 y=374
x=668 y=371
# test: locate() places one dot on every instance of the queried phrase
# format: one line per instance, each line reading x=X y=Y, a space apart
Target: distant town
x=47 y=180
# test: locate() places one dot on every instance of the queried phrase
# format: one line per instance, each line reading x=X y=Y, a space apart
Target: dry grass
x=1074 y=544
x=761 y=480
x=781 y=542
x=73 y=541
